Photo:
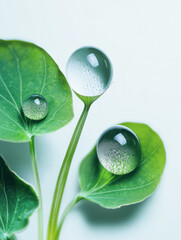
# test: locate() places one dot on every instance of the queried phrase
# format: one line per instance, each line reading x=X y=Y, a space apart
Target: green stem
x=62 y=177
x=38 y=188
x=64 y=215
x=12 y=237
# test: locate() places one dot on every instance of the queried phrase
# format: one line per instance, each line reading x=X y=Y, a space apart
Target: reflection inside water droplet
x=35 y=107
x=119 y=150
x=89 y=72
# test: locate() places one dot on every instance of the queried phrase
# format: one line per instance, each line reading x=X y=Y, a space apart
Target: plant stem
x=38 y=188
x=12 y=237
x=62 y=177
x=64 y=215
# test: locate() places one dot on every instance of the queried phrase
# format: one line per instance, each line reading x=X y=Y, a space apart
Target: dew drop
x=35 y=107
x=89 y=72
x=119 y=150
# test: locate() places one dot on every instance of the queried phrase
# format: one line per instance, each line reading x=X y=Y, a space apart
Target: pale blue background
x=143 y=40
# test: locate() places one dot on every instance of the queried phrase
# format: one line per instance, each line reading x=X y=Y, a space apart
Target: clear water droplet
x=89 y=72
x=119 y=150
x=35 y=107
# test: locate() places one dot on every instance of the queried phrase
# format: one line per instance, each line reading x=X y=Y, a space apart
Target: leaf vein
x=45 y=74
x=6 y=198
x=15 y=211
x=13 y=121
x=126 y=189
x=18 y=69
x=10 y=94
x=147 y=158
x=8 y=101
x=95 y=189
x=2 y=223
x=53 y=116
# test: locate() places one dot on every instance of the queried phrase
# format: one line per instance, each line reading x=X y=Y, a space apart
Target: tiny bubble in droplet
x=89 y=71
x=35 y=107
x=119 y=150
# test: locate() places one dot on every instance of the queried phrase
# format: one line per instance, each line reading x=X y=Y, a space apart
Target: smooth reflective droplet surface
x=119 y=150
x=35 y=107
x=89 y=72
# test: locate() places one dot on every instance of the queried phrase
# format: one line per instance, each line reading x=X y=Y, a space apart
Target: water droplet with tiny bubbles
x=89 y=72
x=119 y=150
x=35 y=107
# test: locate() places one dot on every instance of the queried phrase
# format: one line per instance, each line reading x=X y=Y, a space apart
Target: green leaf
x=13 y=237
x=27 y=69
x=17 y=202
x=113 y=191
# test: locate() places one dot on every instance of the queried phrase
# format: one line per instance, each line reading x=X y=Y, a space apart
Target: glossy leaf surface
x=113 y=191
x=27 y=69
x=18 y=201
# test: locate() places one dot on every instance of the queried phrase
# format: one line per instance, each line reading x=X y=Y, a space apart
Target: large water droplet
x=89 y=72
x=35 y=107
x=119 y=150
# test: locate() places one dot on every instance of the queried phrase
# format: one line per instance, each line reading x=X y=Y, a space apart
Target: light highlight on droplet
x=35 y=107
x=89 y=72
x=119 y=150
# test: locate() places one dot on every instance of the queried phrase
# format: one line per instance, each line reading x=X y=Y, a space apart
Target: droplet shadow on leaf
x=102 y=216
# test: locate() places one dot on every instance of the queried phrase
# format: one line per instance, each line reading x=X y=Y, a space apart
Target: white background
x=143 y=40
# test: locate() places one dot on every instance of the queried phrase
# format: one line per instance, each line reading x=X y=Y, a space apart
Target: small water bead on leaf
x=35 y=107
x=119 y=150
x=89 y=72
